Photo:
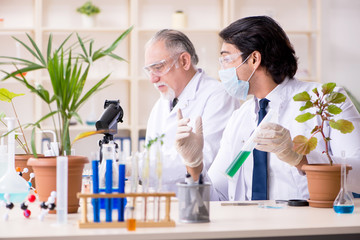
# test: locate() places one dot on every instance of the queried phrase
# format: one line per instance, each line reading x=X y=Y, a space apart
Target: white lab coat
x=203 y=96
x=284 y=181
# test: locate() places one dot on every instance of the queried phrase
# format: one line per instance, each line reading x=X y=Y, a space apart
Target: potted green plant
x=88 y=12
x=322 y=193
x=68 y=72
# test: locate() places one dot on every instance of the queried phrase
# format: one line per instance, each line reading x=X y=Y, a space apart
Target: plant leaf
x=33 y=142
x=28 y=48
x=82 y=45
x=328 y=88
x=334 y=109
x=77 y=117
x=344 y=126
x=86 y=134
x=117 y=41
x=336 y=97
x=117 y=57
x=307 y=105
x=49 y=47
x=304 y=117
x=43 y=93
x=303 y=146
x=7 y=96
x=316 y=128
x=315 y=91
x=302 y=97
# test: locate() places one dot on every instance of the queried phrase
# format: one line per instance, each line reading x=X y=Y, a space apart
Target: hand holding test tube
x=248 y=146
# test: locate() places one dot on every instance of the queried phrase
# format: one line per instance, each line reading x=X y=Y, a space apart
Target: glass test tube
x=61 y=189
x=248 y=147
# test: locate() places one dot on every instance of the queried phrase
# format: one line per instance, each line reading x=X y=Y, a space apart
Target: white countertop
x=225 y=222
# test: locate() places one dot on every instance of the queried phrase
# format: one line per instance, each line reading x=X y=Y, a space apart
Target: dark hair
x=176 y=42
x=263 y=34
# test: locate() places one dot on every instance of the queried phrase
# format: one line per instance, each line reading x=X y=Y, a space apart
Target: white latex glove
x=188 y=143
x=274 y=138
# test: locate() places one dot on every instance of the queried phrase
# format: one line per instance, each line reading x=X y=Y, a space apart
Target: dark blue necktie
x=259 y=183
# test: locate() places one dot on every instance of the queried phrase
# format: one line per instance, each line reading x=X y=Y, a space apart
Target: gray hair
x=176 y=42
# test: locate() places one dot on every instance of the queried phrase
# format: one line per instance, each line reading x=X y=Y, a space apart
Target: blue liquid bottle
x=343 y=202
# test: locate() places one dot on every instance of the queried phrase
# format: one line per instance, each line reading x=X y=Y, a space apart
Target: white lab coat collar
x=276 y=97
x=189 y=91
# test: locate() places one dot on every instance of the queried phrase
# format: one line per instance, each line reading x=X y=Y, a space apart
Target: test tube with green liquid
x=247 y=148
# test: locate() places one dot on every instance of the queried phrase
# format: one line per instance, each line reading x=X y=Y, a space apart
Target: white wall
x=341 y=43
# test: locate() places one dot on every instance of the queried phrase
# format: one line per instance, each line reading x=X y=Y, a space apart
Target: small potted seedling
x=88 y=13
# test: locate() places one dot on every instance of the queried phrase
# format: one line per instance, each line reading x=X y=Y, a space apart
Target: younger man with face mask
x=257 y=58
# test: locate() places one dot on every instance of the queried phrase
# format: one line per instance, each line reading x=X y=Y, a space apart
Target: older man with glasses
x=170 y=63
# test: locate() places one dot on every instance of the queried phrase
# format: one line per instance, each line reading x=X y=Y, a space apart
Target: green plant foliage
x=344 y=126
x=303 y=96
x=334 y=109
x=307 y=105
x=7 y=96
x=335 y=97
x=325 y=108
x=152 y=141
x=68 y=73
x=304 y=117
x=88 y=8
x=327 y=88
x=304 y=145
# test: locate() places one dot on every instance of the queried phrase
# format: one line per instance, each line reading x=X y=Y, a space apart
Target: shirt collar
x=276 y=97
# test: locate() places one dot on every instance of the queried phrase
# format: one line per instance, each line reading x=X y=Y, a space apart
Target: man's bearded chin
x=169 y=94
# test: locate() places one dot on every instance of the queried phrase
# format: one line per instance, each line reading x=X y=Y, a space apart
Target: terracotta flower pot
x=21 y=162
x=323 y=183
x=45 y=178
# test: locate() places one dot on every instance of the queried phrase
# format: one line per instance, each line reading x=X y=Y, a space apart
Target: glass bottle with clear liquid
x=343 y=202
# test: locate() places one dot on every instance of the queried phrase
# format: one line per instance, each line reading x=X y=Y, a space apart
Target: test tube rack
x=165 y=222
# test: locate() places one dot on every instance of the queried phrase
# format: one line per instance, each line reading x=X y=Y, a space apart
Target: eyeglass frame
x=230 y=58
x=163 y=61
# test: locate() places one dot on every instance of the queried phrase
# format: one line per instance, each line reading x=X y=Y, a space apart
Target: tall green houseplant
x=67 y=69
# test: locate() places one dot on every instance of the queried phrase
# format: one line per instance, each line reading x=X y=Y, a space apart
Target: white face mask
x=233 y=86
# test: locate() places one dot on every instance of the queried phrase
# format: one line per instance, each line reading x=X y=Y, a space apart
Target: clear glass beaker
x=11 y=182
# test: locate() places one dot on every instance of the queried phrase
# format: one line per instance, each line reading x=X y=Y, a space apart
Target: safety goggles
x=160 y=68
x=225 y=60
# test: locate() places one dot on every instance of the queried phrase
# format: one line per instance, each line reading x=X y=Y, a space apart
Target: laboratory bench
x=226 y=222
